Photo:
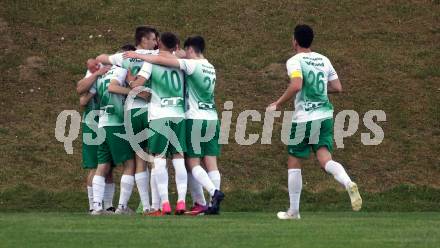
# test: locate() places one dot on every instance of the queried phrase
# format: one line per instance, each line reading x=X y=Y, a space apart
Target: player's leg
x=323 y=150
x=139 y=122
x=142 y=178
x=214 y=175
x=122 y=154
x=338 y=172
x=200 y=175
x=98 y=183
x=157 y=145
x=178 y=127
x=294 y=184
x=181 y=178
x=89 y=161
x=294 y=181
x=99 y=187
x=127 y=184
x=161 y=179
x=155 y=197
x=89 y=180
x=109 y=192
x=197 y=195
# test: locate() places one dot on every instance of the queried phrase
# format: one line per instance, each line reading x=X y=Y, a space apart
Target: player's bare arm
x=334 y=86
x=84 y=84
x=294 y=86
x=104 y=59
x=85 y=98
x=160 y=60
x=114 y=87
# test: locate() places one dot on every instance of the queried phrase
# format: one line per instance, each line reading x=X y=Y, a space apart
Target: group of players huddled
x=172 y=109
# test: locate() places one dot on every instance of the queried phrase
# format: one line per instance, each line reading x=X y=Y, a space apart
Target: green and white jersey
x=111 y=105
x=93 y=104
x=311 y=102
x=133 y=65
x=200 y=80
x=167 y=91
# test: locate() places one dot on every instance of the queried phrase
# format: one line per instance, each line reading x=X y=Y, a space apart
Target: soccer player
x=146 y=43
x=167 y=123
x=312 y=77
x=201 y=117
x=90 y=152
x=111 y=91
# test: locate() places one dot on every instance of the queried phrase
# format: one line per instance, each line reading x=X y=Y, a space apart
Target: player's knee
x=129 y=167
x=293 y=163
x=323 y=156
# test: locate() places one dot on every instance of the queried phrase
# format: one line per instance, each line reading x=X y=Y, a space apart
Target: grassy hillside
x=386 y=54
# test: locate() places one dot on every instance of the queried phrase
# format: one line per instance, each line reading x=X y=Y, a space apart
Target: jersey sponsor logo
x=309 y=106
x=207 y=71
x=171 y=102
x=206 y=106
x=314 y=64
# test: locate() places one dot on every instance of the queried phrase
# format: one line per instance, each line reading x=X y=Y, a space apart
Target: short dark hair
x=303 y=34
x=143 y=31
x=196 y=42
x=128 y=47
x=169 y=40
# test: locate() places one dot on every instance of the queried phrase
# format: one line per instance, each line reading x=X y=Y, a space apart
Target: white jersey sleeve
x=332 y=75
x=116 y=59
x=119 y=75
x=293 y=66
x=93 y=88
x=187 y=65
x=145 y=71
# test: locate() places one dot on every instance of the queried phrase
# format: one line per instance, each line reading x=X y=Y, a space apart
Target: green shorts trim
x=167 y=136
x=303 y=130
x=139 y=123
x=114 y=148
x=197 y=132
x=89 y=152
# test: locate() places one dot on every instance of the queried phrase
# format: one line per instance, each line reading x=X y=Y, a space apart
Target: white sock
x=215 y=178
x=161 y=176
x=181 y=178
x=90 y=195
x=338 y=172
x=142 y=179
x=196 y=190
x=98 y=184
x=202 y=177
x=109 y=192
x=127 y=183
x=295 y=186
x=155 y=198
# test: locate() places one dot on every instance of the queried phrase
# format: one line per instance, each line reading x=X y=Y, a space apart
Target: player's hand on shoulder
x=145 y=95
x=180 y=53
x=130 y=54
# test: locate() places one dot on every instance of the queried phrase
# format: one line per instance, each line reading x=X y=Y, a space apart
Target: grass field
x=385 y=52
x=315 y=229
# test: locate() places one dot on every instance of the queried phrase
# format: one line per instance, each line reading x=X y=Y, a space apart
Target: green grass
x=386 y=54
x=404 y=199
x=337 y=229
